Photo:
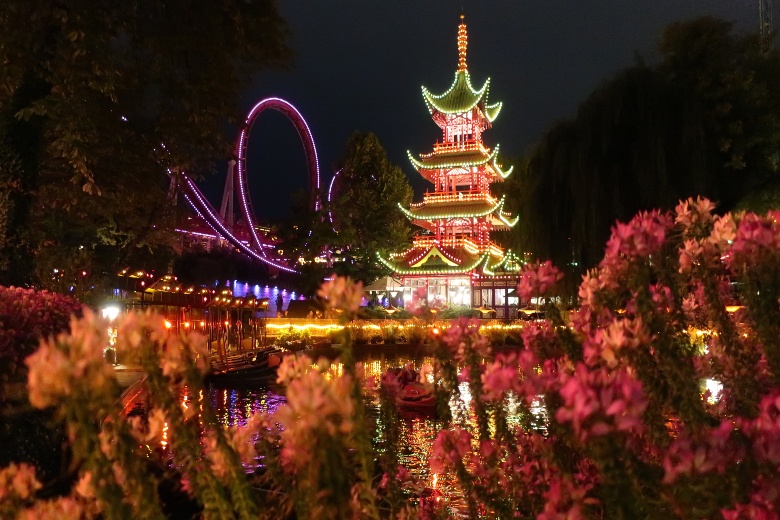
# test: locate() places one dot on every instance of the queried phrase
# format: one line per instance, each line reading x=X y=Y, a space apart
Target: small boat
x=414 y=395
x=258 y=366
x=418 y=397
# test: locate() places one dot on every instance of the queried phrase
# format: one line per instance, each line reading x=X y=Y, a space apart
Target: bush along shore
x=657 y=397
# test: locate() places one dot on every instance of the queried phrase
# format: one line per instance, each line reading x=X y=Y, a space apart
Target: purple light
x=304 y=133
x=202 y=206
x=330 y=195
x=204 y=209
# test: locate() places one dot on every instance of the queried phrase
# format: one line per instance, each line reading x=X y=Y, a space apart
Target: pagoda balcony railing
x=469 y=145
x=471 y=246
x=461 y=196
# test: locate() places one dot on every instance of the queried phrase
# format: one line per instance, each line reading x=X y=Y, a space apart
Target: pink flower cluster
x=18 y=482
x=607 y=343
x=714 y=452
x=565 y=500
x=757 y=239
x=499 y=377
x=538 y=279
x=539 y=337
x=641 y=237
x=449 y=448
x=598 y=402
x=71 y=361
x=463 y=337
x=27 y=316
x=342 y=293
x=318 y=405
x=137 y=331
x=737 y=441
x=694 y=214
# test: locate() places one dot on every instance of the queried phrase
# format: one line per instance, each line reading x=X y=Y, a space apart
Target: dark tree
x=366 y=215
x=98 y=100
x=700 y=122
x=366 y=218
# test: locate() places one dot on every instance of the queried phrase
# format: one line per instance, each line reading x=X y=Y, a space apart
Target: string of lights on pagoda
x=456 y=253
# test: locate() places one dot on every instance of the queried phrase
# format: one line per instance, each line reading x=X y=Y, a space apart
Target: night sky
x=359 y=65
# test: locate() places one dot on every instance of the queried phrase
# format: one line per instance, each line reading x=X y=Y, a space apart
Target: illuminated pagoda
x=455 y=261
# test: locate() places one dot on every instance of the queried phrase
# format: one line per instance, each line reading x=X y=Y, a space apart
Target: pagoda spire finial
x=463 y=42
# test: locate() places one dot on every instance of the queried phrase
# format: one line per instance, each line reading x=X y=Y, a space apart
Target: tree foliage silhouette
x=703 y=120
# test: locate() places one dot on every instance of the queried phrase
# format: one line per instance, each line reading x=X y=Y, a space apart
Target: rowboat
x=257 y=366
x=418 y=397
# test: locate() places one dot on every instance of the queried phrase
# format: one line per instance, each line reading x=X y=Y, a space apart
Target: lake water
x=417 y=430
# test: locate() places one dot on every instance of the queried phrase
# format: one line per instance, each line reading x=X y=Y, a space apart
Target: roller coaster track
x=257 y=248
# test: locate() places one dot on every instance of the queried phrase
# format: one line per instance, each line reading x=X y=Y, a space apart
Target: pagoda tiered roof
x=429 y=256
x=448 y=206
x=450 y=156
x=510 y=263
x=461 y=212
x=462 y=97
x=432 y=257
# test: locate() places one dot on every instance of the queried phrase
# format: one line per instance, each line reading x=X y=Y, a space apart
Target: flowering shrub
x=26 y=316
x=628 y=430
x=601 y=414
x=68 y=373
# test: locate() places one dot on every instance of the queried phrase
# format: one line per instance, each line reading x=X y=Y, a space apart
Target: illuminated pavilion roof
x=423 y=214
x=435 y=260
x=429 y=163
x=463 y=159
x=455 y=246
x=462 y=96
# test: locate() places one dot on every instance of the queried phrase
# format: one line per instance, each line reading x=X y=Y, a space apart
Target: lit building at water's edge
x=454 y=261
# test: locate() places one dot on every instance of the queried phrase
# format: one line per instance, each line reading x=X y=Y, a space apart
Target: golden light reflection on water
x=417 y=430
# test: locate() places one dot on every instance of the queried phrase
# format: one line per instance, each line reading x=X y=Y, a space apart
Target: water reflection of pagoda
x=455 y=261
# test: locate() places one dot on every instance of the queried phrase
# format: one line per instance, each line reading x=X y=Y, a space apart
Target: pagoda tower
x=454 y=261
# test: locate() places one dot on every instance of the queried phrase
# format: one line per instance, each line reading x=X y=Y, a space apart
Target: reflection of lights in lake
x=164 y=441
x=715 y=388
x=465 y=393
x=417 y=431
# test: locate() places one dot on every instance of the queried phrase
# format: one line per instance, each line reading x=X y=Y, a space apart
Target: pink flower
x=724 y=231
x=591 y=285
x=644 y=234
x=598 y=402
x=537 y=280
x=610 y=341
x=216 y=455
x=763 y=504
x=463 y=338
x=711 y=453
x=342 y=293
x=69 y=361
x=84 y=486
x=757 y=240
x=540 y=338
x=449 y=448
x=689 y=255
x=60 y=508
x=692 y=214
x=19 y=481
x=564 y=500
x=499 y=377
x=662 y=296
x=319 y=404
